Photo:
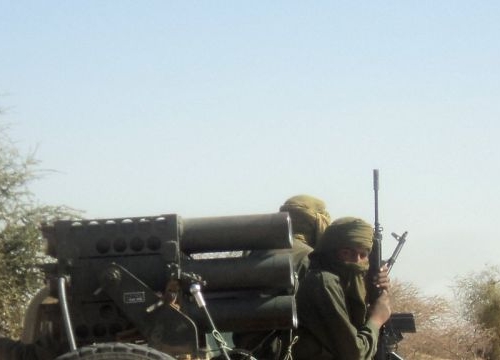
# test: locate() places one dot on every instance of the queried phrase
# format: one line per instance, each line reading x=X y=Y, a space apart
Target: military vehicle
x=164 y=287
x=153 y=288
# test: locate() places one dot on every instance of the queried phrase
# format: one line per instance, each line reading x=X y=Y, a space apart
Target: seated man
x=334 y=320
x=309 y=220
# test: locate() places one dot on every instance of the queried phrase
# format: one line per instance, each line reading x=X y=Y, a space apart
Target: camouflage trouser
x=16 y=350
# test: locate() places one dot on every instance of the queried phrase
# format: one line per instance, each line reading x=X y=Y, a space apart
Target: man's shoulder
x=318 y=286
x=318 y=276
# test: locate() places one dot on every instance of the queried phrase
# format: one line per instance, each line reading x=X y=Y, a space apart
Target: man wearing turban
x=335 y=321
x=309 y=219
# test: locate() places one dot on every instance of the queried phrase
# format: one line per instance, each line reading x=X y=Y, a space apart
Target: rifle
x=390 y=333
x=375 y=265
x=376 y=253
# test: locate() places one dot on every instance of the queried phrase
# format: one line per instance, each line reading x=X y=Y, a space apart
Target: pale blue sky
x=207 y=108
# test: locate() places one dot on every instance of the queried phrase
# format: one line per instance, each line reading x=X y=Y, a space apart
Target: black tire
x=235 y=354
x=115 y=351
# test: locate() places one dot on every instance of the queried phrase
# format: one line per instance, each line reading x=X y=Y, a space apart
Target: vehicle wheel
x=235 y=354
x=115 y=351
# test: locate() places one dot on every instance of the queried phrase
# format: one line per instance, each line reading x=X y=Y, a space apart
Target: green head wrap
x=309 y=217
x=346 y=232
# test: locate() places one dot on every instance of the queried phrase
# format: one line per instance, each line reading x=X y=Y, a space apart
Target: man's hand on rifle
x=380 y=311
x=382 y=280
